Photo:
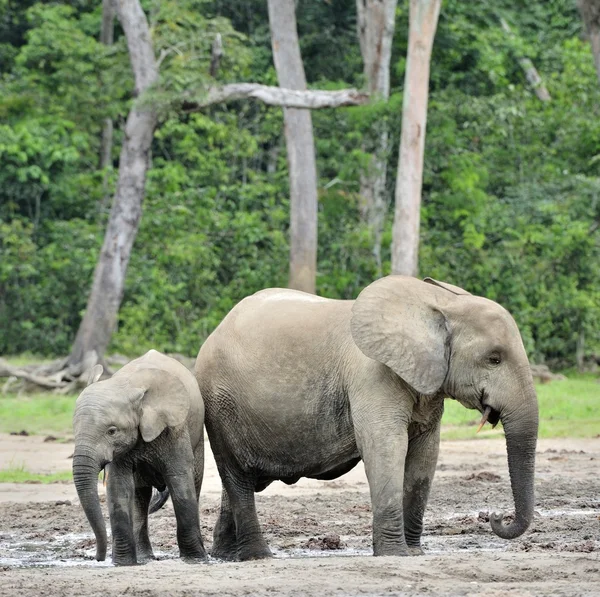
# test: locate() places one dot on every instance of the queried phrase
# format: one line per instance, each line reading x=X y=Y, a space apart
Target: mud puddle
x=16 y=552
x=322 y=541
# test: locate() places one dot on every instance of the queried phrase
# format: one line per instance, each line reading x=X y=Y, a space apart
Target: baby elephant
x=145 y=424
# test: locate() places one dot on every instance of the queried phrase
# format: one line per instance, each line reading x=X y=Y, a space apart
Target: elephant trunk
x=520 y=428
x=86 y=469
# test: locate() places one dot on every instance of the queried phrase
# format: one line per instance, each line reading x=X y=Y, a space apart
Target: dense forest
x=511 y=188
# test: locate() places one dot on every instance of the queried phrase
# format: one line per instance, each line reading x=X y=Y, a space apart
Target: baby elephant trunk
x=86 y=469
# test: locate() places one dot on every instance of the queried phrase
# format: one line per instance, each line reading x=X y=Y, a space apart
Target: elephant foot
x=125 y=561
x=145 y=557
x=415 y=550
x=228 y=555
x=254 y=553
x=392 y=550
x=194 y=559
x=224 y=546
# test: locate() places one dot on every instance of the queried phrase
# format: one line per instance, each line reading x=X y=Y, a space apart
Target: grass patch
x=38 y=414
x=569 y=408
x=22 y=475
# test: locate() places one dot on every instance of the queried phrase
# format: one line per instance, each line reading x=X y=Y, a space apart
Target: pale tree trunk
x=108 y=286
x=106 y=37
x=423 y=18
x=300 y=148
x=531 y=73
x=590 y=13
x=376 y=20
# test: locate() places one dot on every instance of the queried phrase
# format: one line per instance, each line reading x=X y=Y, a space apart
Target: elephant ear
x=450 y=287
x=399 y=321
x=95 y=374
x=165 y=402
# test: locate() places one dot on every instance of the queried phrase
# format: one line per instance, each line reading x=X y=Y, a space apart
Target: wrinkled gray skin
x=301 y=386
x=145 y=424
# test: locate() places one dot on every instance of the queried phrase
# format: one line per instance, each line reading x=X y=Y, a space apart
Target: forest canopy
x=511 y=190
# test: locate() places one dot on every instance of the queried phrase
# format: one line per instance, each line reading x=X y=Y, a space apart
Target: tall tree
x=590 y=13
x=106 y=37
x=376 y=19
x=300 y=148
x=423 y=19
x=97 y=326
x=108 y=286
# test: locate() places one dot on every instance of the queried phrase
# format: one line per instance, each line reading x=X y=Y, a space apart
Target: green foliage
x=43 y=288
x=510 y=206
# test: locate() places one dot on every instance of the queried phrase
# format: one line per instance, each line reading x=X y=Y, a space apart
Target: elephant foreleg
x=181 y=479
x=385 y=471
x=419 y=469
x=382 y=439
x=120 y=496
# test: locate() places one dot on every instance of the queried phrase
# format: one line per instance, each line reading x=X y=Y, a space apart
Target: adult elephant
x=301 y=386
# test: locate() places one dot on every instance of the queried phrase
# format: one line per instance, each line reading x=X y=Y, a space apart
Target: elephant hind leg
x=251 y=544
x=143 y=495
x=198 y=468
x=224 y=536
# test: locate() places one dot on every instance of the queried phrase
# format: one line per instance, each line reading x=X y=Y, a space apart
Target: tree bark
x=107 y=38
x=108 y=286
x=423 y=18
x=590 y=14
x=311 y=99
x=216 y=55
x=376 y=20
x=300 y=148
x=531 y=73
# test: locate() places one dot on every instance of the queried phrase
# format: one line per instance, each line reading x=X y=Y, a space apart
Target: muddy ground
x=320 y=533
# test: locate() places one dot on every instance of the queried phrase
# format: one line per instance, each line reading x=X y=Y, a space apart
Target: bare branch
x=7 y=370
x=311 y=99
x=531 y=73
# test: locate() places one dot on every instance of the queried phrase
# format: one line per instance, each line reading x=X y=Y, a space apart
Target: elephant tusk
x=484 y=418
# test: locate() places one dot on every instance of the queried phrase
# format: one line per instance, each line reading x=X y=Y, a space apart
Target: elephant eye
x=494 y=359
x=111 y=430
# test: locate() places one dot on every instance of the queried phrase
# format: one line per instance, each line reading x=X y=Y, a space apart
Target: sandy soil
x=320 y=533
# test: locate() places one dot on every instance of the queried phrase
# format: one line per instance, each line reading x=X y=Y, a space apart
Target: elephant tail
x=159 y=499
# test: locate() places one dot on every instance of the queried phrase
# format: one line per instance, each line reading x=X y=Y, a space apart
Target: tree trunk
x=376 y=20
x=531 y=73
x=106 y=37
x=108 y=286
x=423 y=17
x=300 y=148
x=590 y=13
